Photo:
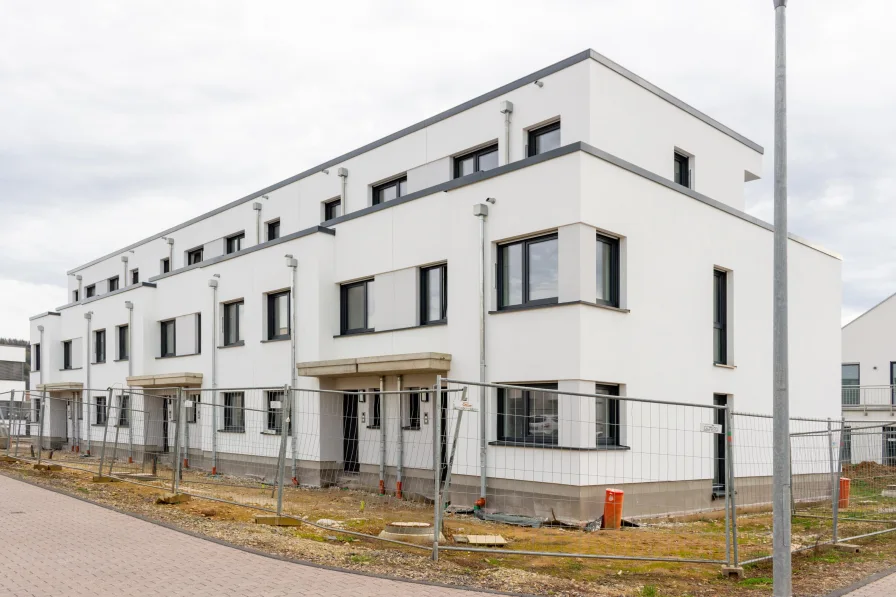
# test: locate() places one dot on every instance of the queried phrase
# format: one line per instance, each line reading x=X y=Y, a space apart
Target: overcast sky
x=120 y=119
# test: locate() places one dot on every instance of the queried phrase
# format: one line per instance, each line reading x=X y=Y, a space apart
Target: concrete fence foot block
x=277 y=521
x=847 y=547
x=99 y=479
x=735 y=572
x=173 y=498
x=8 y=459
x=47 y=467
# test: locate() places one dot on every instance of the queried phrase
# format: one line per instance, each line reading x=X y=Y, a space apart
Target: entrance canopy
x=61 y=386
x=166 y=380
x=394 y=364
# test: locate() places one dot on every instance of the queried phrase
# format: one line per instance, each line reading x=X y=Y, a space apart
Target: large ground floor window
x=529 y=415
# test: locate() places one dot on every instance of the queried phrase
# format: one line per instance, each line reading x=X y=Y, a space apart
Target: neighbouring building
x=13 y=383
x=619 y=260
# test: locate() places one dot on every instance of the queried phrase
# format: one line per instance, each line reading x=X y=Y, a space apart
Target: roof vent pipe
x=170 y=242
x=343 y=174
x=506 y=110
x=124 y=275
x=257 y=207
x=213 y=284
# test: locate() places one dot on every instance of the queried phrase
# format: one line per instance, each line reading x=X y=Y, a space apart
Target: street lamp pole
x=781 y=489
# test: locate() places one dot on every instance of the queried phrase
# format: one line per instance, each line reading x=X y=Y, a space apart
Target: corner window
x=113 y=283
x=273 y=228
x=135 y=276
x=168 y=338
x=123 y=340
x=850 y=382
x=410 y=410
x=357 y=307
x=274 y=401
x=528 y=416
x=90 y=291
x=390 y=190
x=607 y=415
x=528 y=272
x=99 y=346
x=124 y=410
x=235 y=242
x=233 y=315
x=165 y=265
x=234 y=412
x=35 y=357
x=720 y=317
x=434 y=294
x=544 y=139
x=476 y=161
x=375 y=412
x=101 y=412
x=67 y=354
x=194 y=256
x=278 y=315
x=682 y=169
x=607 y=271
x=332 y=209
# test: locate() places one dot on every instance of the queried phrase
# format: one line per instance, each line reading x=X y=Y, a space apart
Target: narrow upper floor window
x=434 y=294
x=476 y=161
x=273 y=229
x=278 y=315
x=357 y=307
x=168 y=348
x=544 y=138
x=332 y=209
x=682 y=169
x=606 y=415
x=850 y=381
x=720 y=317
x=123 y=341
x=90 y=291
x=235 y=242
x=233 y=315
x=166 y=265
x=113 y=283
x=74 y=296
x=388 y=191
x=135 y=276
x=67 y=354
x=194 y=256
x=99 y=346
x=528 y=272
x=529 y=416
x=607 y=271
x=35 y=357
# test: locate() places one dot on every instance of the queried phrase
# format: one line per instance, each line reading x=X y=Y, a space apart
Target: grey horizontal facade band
x=521 y=82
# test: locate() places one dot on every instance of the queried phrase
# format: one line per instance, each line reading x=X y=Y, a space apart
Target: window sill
x=99 y=363
x=358 y=333
x=724 y=366
x=97 y=424
x=434 y=324
x=177 y=356
x=271 y=432
x=410 y=429
x=549 y=305
x=231 y=431
x=72 y=369
x=512 y=444
x=235 y=344
x=373 y=427
x=120 y=360
x=275 y=340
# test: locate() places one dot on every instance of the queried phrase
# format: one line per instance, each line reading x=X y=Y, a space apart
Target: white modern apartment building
x=868 y=376
x=618 y=259
x=13 y=384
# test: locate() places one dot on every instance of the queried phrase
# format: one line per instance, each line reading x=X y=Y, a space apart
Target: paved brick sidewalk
x=884 y=587
x=52 y=544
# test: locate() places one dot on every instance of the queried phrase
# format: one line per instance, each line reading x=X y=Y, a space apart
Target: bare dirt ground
x=816 y=571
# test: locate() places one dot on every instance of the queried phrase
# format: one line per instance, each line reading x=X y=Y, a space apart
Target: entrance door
x=889 y=455
x=719 y=481
x=350 y=433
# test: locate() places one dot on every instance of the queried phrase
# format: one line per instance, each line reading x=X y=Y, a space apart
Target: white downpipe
x=382 y=399
x=343 y=174
x=293 y=264
x=88 y=316
x=213 y=284
x=257 y=207
x=401 y=399
x=130 y=307
x=506 y=110
x=124 y=273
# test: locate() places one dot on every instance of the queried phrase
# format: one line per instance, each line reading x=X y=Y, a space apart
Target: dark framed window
x=544 y=138
x=390 y=190
x=682 y=169
x=607 y=415
x=846 y=446
x=37 y=404
x=234 y=412
x=35 y=357
x=529 y=416
x=166 y=265
x=99 y=345
x=275 y=414
x=233 y=316
x=356 y=307
x=123 y=340
x=194 y=256
x=850 y=380
x=607 y=271
x=101 y=412
x=476 y=161
x=278 y=315
x=124 y=410
x=235 y=242
x=273 y=228
x=79 y=405
x=410 y=411
x=113 y=283
x=67 y=354
x=434 y=294
x=168 y=338
x=332 y=209
x=375 y=412
x=193 y=410
x=90 y=291
x=528 y=272
x=74 y=296
x=892 y=382
x=720 y=317
x=720 y=470
x=135 y=276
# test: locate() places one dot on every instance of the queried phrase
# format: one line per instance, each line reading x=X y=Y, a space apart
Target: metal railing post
x=382 y=400
x=293 y=410
x=117 y=430
x=40 y=428
x=436 y=465
x=727 y=455
x=87 y=421
x=130 y=423
x=285 y=414
x=13 y=420
x=835 y=482
x=19 y=425
x=108 y=407
x=175 y=414
x=214 y=430
x=729 y=489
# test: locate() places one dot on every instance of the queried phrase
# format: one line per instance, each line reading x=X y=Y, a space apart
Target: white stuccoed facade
x=612 y=174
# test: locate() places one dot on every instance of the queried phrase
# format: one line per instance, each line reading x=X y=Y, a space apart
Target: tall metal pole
x=781 y=488
x=292 y=393
x=481 y=211
x=130 y=307
x=87 y=360
x=213 y=284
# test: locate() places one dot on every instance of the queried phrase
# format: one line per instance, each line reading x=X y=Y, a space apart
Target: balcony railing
x=868 y=396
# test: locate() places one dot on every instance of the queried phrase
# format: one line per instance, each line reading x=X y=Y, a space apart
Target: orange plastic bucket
x=844 y=492
x=613 y=509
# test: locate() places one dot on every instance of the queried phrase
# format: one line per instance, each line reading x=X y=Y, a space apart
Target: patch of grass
x=493 y=561
x=650 y=591
x=308 y=535
x=831 y=556
x=758 y=581
x=360 y=558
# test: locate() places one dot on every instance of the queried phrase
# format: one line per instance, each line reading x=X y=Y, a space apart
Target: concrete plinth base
x=98 y=479
x=8 y=459
x=735 y=572
x=173 y=498
x=277 y=521
x=847 y=547
x=47 y=467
